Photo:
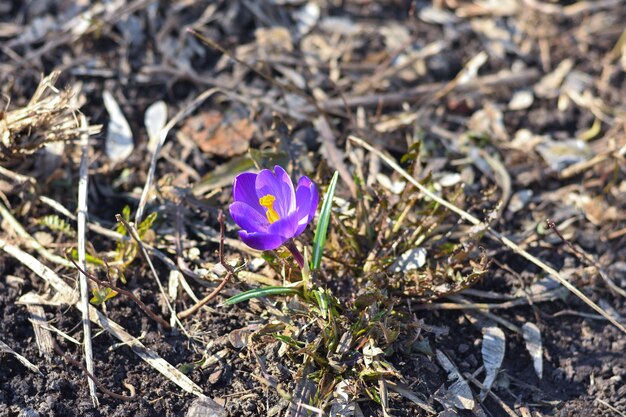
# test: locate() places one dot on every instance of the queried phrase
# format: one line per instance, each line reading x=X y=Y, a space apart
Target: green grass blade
x=322 y=226
x=260 y=292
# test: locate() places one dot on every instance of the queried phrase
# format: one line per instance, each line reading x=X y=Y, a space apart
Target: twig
x=132 y=231
x=94 y=227
x=17 y=177
x=229 y=273
x=178 y=241
x=517 y=302
x=282 y=87
x=81 y=216
x=587 y=259
x=502 y=239
x=129 y=294
x=610 y=407
x=91 y=378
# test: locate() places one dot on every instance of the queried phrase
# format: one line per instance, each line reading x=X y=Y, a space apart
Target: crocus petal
x=281 y=188
x=287 y=187
x=261 y=241
x=248 y=218
x=244 y=190
x=307 y=198
x=315 y=196
x=286 y=226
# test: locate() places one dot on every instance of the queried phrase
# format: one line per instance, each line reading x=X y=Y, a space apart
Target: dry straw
x=50 y=116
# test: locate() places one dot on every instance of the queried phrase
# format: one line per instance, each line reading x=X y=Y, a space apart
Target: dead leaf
x=154 y=120
x=549 y=85
x=493 y=354
x=561 y=154
x=275 y=39
x=307 y=17
x=119 y=142
x=459 y=393
x=532 y=337
x=343 y=404
x=7 y=349
x=218 y=135
x=521 y=100
x=205 y=407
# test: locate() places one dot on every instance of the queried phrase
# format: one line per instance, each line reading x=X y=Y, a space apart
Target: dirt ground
x=519 y=110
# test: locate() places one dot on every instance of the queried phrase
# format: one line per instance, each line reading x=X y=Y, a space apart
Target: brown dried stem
x=229 y=274
x=129 y=294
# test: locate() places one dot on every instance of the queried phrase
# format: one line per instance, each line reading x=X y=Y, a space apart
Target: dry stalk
x=82 y=279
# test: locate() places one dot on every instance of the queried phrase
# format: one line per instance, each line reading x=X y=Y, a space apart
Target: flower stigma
x=267 y=201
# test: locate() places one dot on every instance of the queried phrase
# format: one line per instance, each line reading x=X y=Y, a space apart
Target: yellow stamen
x=267 y=201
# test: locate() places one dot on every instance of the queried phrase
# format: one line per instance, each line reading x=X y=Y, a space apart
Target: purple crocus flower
x=269 y=210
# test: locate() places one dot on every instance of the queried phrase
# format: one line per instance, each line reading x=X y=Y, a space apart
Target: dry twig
x=229 y=274
x=82 y=279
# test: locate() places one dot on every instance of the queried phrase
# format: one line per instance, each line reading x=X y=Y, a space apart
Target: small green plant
x=57 y=224
x=126 y=250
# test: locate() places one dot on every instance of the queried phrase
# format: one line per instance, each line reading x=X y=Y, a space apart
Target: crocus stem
x=295 y=252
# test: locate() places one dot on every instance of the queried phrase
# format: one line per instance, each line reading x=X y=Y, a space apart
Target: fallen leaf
x=154 y=120
x=493 y=354
x=307 y=17
x=218 y=135
x=549 y=85
x=532 y=337
x=561 y=154
x=343 y=405
x=119 y=141
x=275 y=39
x=459 y=394
x=205 y=407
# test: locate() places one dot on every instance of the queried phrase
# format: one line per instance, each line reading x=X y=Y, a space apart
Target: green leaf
x=288 y=340
x=322 y=226
x=126 y=216
x=223 y=175
x=322 y=301
x=101 y=295
x=260 y=292
x=56 y=224
x=90 y=259
x=146 y=224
